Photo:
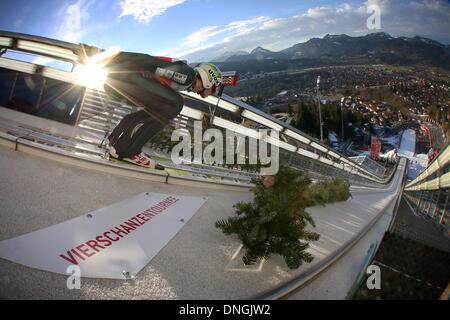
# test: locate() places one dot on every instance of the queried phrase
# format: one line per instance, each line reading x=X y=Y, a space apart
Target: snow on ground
x=390 y=156
x=332 y=136
x=364 y=153
x=393 y=140
x=408 y=144
x=417 y=164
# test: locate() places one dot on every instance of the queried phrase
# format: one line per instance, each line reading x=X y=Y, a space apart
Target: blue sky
x=203 y=29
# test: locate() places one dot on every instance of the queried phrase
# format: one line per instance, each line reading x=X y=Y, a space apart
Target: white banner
x=115 y=242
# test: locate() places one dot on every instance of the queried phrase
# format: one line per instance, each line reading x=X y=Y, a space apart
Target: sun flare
x=92 y=73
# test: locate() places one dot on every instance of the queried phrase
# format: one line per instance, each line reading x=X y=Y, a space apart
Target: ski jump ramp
x=55 y=175
x=200 y=262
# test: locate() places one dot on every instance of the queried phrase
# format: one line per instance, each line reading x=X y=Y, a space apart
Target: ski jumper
x=150 y=83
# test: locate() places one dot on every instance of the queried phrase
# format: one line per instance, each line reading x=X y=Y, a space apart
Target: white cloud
x=384 y=6
x=144 y=10
x=274 y=23
x=399 y=18
x=317 y=12
x=219 y=35
x=202 y=35
x=72 y=26
x=75 y=16
x=344 y=8
x=434 y=4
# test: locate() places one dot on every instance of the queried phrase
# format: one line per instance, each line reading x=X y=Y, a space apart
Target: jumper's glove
x=229 y=78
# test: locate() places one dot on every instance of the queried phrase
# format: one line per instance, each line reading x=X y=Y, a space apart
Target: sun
x=92 y=73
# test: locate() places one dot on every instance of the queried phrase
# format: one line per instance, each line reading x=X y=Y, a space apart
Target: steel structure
x=100 y=114
x=429 y=191
x=80 y=145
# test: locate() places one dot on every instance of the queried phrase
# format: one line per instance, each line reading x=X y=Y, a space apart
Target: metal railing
x=429 y=192
x=101 y=114
x=433 y=177
x=371 y=165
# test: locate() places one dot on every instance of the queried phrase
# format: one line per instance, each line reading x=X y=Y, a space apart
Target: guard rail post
x=430 y=201
x=444 y=210
x=436 y=204
x=419 y=202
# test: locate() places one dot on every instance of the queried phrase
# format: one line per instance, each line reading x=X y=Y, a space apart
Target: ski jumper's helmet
x=210 y=75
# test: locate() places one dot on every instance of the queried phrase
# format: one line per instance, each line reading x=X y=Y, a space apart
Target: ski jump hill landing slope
x=199 y=262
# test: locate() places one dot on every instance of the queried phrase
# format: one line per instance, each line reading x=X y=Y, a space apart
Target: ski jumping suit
x=150 y=83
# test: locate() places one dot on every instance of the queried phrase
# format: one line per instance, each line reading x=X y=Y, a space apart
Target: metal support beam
x=419 y=203
x=425 y=202
x=417 y=198
x=430 y=201
x=436 y=204
x=13 y=88
x=444 y=210
x=80 y=109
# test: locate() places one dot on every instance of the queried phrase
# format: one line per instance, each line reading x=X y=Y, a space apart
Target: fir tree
x=276 y=221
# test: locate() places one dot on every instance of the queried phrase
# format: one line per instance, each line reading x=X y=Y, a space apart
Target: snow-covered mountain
x=378 y=47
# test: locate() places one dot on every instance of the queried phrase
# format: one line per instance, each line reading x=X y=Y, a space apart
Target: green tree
x=276 y=221
x=307 y=118
x=324 y=192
